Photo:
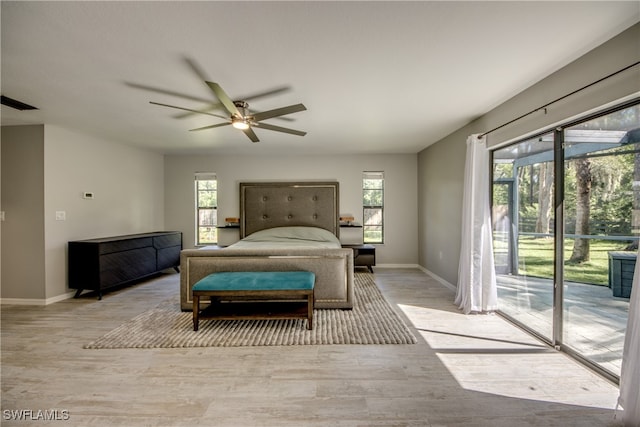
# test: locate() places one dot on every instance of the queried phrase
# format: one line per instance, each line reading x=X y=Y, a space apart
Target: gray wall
x=127 y=184
x=46 y=169
x=400 y=170
x=441 y=165
x=23 y=236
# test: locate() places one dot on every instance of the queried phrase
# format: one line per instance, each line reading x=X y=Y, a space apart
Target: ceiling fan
x=240 y=117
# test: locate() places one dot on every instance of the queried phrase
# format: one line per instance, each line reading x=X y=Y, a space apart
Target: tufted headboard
x=279 y=204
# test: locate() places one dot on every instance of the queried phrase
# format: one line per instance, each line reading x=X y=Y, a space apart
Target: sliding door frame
x=558 y=267
x=558 y=247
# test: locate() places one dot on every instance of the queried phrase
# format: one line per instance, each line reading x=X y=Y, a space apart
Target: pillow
x=297 y=233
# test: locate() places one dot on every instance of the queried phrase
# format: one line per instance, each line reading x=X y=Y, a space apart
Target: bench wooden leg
x=196 y=311
x=299 y=311
x=310 y=311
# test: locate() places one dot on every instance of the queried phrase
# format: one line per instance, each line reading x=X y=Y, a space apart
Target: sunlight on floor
x=484 y=353
x=593 y=320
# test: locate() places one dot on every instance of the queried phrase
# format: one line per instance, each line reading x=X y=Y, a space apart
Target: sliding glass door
x=602 y=162
x=523 y=232
x=597 y=191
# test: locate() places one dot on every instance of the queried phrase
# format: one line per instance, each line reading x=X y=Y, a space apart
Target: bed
x=284 y=226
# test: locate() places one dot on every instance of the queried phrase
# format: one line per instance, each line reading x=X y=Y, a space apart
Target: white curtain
x=477 y=290
x=630 y=374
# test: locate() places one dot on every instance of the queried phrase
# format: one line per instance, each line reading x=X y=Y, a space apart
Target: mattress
x=299 y=237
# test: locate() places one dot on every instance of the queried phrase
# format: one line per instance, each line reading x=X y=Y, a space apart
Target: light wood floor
x=465 y=371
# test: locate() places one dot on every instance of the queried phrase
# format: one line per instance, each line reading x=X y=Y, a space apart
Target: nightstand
x=228 y=234
x=351 y=234
x=363 y=255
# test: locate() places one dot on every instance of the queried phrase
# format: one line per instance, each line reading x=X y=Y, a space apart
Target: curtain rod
x=559 y=99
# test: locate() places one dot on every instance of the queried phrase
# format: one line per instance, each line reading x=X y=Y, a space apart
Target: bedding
x=289 y=237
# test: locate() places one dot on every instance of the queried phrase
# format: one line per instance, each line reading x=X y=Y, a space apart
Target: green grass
x=536 y=259
x=207 y=235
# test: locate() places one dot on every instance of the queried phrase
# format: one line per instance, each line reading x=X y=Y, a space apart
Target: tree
x=635 y=213
x=580 y=251
x=545 y=198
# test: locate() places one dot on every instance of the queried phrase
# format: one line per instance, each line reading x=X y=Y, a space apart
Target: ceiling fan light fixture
x=240 y=124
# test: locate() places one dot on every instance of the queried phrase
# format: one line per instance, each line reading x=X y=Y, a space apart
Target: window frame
x=367 y=226
x=200 y=177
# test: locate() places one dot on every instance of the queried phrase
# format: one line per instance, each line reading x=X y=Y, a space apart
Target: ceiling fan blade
x=251 y=134
x=210 y=126
x=269 y=92
x=224 y=99
x=210 y=107
x=218 y=106
x=279 y=129
x=279 y=112
x=196 y=69
x=167 y=92
x=188 y=109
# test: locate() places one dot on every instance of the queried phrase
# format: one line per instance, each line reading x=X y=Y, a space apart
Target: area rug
x=371 y=321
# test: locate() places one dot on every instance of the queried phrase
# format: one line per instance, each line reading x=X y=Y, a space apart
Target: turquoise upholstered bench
x=255 y=295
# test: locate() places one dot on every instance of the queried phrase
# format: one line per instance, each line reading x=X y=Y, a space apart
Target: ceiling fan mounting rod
x=242 y=106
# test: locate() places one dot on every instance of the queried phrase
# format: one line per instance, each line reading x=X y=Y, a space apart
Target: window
x=372 y=206
x=206 y=208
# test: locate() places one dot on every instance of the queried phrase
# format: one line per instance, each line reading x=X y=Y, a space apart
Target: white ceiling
x=376 y=77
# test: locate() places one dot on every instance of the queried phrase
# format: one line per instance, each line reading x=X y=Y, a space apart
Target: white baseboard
x=397 y=265
x=36 y=301
x=439 y=279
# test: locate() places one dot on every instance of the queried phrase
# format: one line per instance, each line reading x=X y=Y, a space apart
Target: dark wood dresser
x=99 y=264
